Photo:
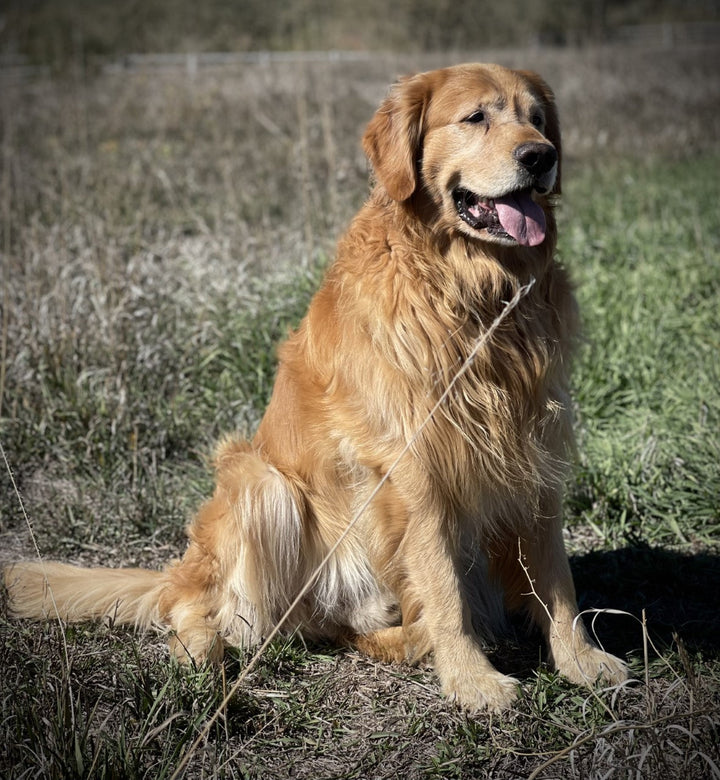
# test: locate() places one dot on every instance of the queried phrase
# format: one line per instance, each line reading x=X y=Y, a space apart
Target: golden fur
x=425 y=268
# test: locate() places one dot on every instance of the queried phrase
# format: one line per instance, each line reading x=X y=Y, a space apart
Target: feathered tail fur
x=72 y=593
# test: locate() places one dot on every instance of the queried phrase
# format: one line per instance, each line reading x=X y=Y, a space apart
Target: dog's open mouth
x=515 y=215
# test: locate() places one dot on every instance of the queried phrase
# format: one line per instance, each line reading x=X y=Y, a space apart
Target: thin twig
x=42 y=564
x=570 y=650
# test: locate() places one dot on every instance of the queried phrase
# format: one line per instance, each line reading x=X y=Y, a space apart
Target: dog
x=419 y=428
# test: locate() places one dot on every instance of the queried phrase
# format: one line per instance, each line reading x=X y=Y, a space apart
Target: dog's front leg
x=466 y=675
x=547 y=584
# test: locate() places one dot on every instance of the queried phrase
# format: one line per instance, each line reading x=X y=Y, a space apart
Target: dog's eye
x=477 y=117
x=537 y=120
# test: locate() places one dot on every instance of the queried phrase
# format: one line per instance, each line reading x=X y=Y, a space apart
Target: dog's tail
x=72 y=593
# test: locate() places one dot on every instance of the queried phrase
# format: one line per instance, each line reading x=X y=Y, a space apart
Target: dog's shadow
x=677 y=592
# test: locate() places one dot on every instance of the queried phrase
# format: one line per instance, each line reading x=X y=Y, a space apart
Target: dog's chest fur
x=423 y=313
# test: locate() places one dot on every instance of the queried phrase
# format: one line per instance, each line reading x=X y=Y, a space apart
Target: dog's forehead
x=469 y=87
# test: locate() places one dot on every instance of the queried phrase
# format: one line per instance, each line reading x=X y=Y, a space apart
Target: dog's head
x=482 y=142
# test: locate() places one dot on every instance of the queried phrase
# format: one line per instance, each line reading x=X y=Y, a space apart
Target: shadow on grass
x=678 y=592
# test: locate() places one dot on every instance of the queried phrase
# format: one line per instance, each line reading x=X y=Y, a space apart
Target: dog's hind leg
x=242 y=568
x=385 y=644
x=190 y=605
x=395 y=643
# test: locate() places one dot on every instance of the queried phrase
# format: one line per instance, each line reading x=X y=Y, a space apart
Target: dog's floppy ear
x=552 y=122
x=393 y=137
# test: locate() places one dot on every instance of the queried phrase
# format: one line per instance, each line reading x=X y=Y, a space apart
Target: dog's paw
x=198 y=647
x=480 y=690
x=589 y=664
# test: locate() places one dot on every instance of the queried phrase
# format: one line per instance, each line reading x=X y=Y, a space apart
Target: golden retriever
x=467 y=168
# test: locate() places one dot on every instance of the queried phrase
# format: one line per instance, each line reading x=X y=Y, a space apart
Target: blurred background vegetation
x=59 y=32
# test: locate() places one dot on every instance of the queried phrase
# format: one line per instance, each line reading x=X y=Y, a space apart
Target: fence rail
x=193 y=61
x=667 y=35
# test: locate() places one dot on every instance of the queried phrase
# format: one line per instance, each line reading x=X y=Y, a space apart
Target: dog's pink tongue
x=522 y=218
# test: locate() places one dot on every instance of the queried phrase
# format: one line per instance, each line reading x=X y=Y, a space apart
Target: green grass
x=152 y=259
x=647 y=258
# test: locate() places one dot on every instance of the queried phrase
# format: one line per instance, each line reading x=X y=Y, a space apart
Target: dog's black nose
x=537 y=158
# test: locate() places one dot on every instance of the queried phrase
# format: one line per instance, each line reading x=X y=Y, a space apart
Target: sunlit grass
x=647 y=257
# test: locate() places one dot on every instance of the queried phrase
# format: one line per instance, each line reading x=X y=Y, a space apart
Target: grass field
x=159 y=236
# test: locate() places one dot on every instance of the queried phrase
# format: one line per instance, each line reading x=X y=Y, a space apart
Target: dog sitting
x=431 y=456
